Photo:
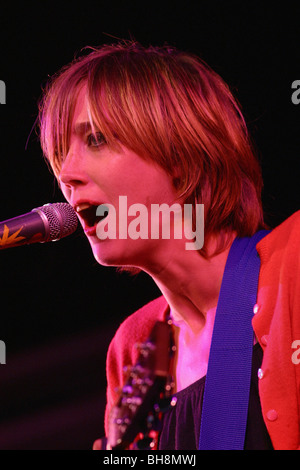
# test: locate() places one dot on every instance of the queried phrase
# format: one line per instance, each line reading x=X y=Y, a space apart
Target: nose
x=72 y=173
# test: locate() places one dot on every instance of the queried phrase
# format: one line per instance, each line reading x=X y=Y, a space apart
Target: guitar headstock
x=147 y=389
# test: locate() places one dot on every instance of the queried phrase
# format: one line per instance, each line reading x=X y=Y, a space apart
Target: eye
x=96 y=139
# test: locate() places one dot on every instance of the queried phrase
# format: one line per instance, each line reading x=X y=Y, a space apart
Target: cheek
x=66 y=191
x=129 y=175
x=149 y=187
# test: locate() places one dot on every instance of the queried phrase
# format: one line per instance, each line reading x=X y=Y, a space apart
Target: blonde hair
x=172 y=108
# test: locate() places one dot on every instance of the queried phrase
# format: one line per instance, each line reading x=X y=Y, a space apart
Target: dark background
x=59 y=307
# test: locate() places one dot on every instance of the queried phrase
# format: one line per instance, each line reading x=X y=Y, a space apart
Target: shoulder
x=279 y=280
x=122 y=351
x=137 y=327
x=282 y=242
x=144 y=318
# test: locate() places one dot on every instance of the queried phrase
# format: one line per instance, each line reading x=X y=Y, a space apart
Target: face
x=93 y=174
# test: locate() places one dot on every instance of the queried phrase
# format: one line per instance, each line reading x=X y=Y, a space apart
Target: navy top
x=181 y=424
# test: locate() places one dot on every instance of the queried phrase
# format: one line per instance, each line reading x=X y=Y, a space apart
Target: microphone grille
x=60 y=219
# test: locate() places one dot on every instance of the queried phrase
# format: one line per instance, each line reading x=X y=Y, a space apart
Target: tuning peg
x=137 y=370
x=146 y=443
x=127 y=390
x=135 y=401
x=165 y=404
x=122 y=421
x=145 y=348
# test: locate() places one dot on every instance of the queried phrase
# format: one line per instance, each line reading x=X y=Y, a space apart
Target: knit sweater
x=276 y=324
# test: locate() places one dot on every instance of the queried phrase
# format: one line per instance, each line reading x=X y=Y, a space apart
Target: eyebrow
x=82 y=127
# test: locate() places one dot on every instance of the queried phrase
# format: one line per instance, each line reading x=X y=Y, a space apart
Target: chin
x=110 y=253
x=106 y=257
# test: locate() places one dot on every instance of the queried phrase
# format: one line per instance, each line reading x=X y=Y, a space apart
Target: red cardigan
x=276 y=325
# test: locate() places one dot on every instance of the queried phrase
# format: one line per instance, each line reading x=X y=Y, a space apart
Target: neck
x=191 y=283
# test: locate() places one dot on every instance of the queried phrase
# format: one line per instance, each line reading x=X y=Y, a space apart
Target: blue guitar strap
x=227 y=385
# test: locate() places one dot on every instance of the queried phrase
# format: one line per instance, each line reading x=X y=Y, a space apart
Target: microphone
x=49 y=222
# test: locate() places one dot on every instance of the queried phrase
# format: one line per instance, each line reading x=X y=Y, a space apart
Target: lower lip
x=90 y=231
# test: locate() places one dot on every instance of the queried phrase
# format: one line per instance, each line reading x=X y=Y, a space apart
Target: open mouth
x=87 y=212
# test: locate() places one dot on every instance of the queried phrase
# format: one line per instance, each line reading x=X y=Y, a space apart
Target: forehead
x=81 y=120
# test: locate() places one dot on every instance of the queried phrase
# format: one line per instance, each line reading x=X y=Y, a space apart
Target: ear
x=177 y=176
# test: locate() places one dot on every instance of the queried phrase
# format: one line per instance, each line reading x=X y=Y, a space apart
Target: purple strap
x=227 y=386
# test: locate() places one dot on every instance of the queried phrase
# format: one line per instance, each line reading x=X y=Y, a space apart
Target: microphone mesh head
x=60 y=219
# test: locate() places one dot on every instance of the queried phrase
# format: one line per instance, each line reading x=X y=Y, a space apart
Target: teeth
x=87 y=213
x=83 y=206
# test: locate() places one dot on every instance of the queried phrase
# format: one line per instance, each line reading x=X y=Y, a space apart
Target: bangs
x=55 y=119
x=133 y=99
x=108 y=110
